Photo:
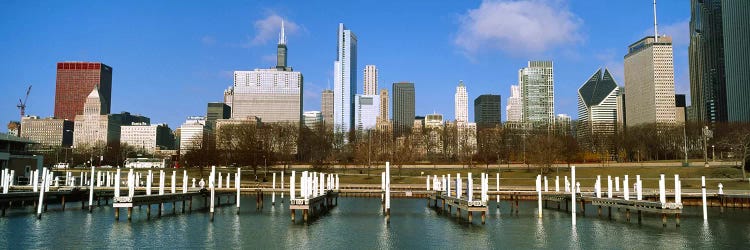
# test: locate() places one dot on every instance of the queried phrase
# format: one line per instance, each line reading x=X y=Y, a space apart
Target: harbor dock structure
x=186 y=196
x=318 y=194
x=445 y=199
x=626 y=202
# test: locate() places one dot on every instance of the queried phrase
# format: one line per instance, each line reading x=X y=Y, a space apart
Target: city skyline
x=184 y=82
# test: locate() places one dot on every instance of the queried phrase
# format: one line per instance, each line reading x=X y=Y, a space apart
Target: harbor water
x=358 y=223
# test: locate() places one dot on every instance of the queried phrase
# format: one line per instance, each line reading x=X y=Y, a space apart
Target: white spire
x=282 y=36
x=656 y=27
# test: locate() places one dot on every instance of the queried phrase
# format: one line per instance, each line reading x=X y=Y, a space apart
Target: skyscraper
x=736 y=20
x=649 y=80
x=487 y=111
x=326 y=106
x=371 y=80
x=538 y=93
x=215 y=111
x=94 y=128
x=597 y=107
x=312 y=119
x=461 y=103
x=192 y=133
x=273 y=95
x=403 y=108
x=345 y=81
x=514 y=109
x=706 y=55
x=367 y=109
x=75 y=81
x=383 y=116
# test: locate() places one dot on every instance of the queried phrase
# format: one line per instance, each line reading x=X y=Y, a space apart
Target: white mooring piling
x=427 y=183
x=91 y=191
x=174 y=181
x=149 y=179
x=598 y=186
x=459 y=186
x=337 y=183
x=237 y=186
x=211 y=184
x=469 y=188
x=184 y=181
x=539 y=194
x=273 y=191
x=291 y=187
x=117 y=183
x=161 y=182
x=662 y=190
x=35 y=179
x=703 y=196
x=638 y=187
x=609 y=186
x=220 y=181
x=546 y=185
x=282 y=186
x=677 y=189
x=497 y=188
x=573 y=195
x=387 y=192
x=41 y=194
x=448 y=185
x=567 y=184
x=626 y=190
x=557 y=183
x=131 y=185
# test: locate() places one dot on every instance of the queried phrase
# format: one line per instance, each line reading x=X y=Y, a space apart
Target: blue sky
x=172 y=57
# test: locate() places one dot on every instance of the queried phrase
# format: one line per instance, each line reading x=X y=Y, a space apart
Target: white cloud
x=518 y=27
x=208 y=40
x=268 y=29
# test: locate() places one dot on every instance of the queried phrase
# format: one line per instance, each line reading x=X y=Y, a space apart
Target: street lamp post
x=713 y=152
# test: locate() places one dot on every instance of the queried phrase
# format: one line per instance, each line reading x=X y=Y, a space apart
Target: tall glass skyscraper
x=345 y=81
x=735 y=21
x=538 y=93
x=487 y=111
x=403 y=108
x=706 y=55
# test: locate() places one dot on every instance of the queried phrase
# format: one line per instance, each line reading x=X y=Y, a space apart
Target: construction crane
x=22 y=104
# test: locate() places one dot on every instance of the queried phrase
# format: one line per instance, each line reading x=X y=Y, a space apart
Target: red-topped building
x=75 y=81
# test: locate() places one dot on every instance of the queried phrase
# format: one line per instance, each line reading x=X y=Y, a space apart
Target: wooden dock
x=61 y=195
x=159 y=200
x=314 y=206
x=438 y=200
x=669 y=208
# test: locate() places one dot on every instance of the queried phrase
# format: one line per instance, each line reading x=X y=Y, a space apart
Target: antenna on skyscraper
x=656 y=26
x=282 y=36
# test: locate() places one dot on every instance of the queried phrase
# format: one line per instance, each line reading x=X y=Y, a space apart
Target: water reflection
x=357 y=223
x=541 y=235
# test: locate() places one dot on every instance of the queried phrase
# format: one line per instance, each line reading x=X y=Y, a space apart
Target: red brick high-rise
x=75 y=81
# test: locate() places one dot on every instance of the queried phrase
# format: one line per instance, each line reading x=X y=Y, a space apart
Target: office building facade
x=649 y=79
x=487 y=111
x=403 y=108
x=345 y=81
x=74 y=83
